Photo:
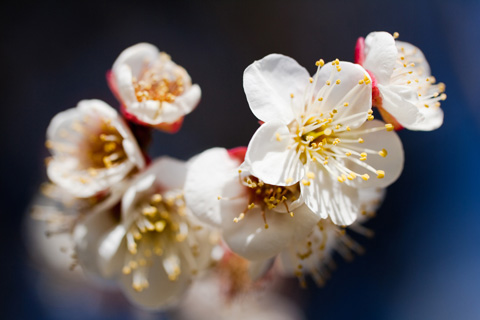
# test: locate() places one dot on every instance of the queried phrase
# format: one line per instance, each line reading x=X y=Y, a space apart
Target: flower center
x=100 y=144
x=105 y=150
x=266 y=196
x=160 y=228
x=327 y=140
x=154 y=86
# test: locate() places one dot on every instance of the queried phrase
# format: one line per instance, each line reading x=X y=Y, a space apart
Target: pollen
x=320 y=63
x=360 y=140
x=380 y=174
x=305 y=182
x=389 y=127
x=365 y=176
x=383 y=153
x=345 y=104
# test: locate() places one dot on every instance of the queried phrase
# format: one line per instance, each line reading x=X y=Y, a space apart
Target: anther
x=383 y=153
x=389 y=127
x=380 y=174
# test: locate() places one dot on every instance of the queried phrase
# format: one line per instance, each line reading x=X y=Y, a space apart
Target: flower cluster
x=314 y=171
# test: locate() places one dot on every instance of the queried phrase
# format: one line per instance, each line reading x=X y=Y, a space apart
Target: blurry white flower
x=150 y=243
x=258 y=220
x=404 y=89
x=316 y=134
x=205 y=301
x=313 y=255
x=153 y=89
x=92 y=149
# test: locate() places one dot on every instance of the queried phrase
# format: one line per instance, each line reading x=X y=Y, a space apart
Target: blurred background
x=424 y=261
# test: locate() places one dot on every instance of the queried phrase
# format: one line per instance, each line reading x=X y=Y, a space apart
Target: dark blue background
x=424 y=262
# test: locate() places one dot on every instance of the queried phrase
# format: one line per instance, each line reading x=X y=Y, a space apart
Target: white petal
x=380 y=55
x=111 y=252
x=250 y=239
x=136 y=57
x=415 y=54
x=370 y=201
x=357 y=96
x=124 y=82
x=65 y=173
x=269 y=159
x=133 y=152
x=268 y=84
x=87 y=236
x=190 y=99
x=161 y=291
x=61 y=121
x=400 y=102
x=392 y=164
x=432 y=119
x=97 y=107
x=170 y=112
x=329 y=198
x=170 y=172
x=257 y=269
x=211 y=174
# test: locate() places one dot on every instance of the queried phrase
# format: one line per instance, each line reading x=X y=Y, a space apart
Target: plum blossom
x=257 y=220
x=150 y=242
x=205 y=301
x=319 y=133
x=92 y=149
x=153 y=90
x=404 y=89
x=313 y=255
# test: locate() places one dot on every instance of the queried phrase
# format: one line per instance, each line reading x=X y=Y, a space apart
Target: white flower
x=316 y=133
x=153 y=89
x=313 y=255
x=92 y=149
x=155 y=246
x=257 y=220
x=404 y=89
x=206 y=301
